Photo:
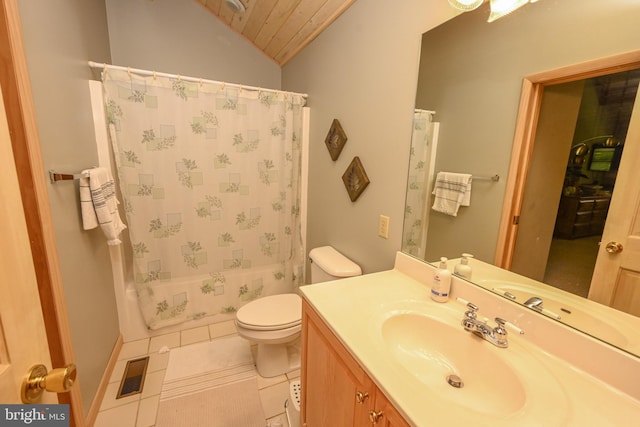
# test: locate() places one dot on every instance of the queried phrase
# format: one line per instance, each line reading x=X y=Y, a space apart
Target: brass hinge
x=516 y=219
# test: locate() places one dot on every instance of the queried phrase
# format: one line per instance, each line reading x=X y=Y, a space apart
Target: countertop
x=354 y=309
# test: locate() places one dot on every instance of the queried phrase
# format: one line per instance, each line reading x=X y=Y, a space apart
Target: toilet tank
x=329 y=264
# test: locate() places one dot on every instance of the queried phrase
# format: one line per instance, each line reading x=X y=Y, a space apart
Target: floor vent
x=133 y=378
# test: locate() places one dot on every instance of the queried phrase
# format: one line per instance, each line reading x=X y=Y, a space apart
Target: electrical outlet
x=383 y=226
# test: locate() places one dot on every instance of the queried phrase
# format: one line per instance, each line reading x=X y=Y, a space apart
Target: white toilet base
x=276 y=359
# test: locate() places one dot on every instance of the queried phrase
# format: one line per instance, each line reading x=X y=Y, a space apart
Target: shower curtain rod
x=186 y=78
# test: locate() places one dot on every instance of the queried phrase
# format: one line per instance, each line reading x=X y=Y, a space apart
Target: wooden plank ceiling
x=279 y=28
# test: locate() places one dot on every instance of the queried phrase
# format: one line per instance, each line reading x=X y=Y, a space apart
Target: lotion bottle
x=463 y=269
x=441 y=282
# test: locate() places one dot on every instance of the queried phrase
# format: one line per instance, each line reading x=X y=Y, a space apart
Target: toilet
x=274 y=322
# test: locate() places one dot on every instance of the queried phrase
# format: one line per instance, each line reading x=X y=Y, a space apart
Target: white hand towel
x=452 y=190
x=99 y=205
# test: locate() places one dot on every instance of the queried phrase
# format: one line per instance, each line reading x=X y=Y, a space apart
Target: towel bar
x=56 y=176
x=494 y=178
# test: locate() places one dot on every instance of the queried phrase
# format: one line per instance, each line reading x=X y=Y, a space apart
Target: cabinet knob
x=361 y=397
x=374 y=416
x=614 y=247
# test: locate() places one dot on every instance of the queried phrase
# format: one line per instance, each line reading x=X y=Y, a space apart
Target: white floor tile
x=169 y=340
x=109 y=401
x=273 y=399
x=279 y=420
x=293 y=375
x=153 y=383
x=194 y=335
x=267 y=382
x=140 y=410
x=118 y=371
x=158 y=361
x=222 y=329
x=147 y=411
x=133 y=349
x=122 y=416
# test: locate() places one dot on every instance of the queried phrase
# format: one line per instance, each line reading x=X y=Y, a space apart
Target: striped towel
x=452 y=190
x=99 y=205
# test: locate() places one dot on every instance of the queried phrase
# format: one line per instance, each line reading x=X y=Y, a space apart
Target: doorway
x=579 y=179
x=527 y=135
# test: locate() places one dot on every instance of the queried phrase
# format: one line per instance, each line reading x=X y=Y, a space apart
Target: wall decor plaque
x=335 y=140
x=355 y=179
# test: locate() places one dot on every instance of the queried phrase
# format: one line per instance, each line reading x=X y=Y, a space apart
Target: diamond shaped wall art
x=355 y=179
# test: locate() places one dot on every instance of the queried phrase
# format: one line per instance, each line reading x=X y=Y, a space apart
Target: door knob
x=614 y=247
x=37 y=380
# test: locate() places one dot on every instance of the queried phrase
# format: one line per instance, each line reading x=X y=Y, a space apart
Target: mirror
x=470 y=84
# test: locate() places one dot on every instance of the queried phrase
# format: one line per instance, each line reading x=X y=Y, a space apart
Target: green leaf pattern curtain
x=417 y=208
x=210 y=182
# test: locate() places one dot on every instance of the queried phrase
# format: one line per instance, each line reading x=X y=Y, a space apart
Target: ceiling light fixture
x=466 y=5
x=500 y=8
x=235 y=5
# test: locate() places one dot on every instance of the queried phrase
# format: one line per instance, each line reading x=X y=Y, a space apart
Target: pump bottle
x=441 y=282
x=463 y=269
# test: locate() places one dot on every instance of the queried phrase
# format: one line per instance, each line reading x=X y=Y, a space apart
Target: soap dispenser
x=463 y=269
x=441 y=282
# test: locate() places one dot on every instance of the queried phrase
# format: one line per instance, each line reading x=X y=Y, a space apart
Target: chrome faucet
x=534 y=303
x=496 y=336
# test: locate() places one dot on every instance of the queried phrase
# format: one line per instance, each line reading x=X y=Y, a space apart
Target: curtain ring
x=129 y=71
x=154 y=75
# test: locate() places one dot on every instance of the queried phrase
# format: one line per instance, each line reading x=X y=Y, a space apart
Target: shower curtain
x=210 y=182
x=422 y=158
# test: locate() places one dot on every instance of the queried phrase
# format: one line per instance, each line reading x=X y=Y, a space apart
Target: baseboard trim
x=104 y=382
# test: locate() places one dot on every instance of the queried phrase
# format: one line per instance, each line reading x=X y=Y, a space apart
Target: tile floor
x=140 y=410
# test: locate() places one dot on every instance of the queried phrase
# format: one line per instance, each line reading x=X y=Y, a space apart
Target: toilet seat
x=271 y=313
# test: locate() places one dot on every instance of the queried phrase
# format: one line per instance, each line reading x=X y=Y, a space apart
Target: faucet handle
x=471 y=313
x=501 y=329
x=506 y=324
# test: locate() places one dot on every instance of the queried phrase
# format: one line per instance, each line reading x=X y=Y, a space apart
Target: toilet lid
x=271 y=312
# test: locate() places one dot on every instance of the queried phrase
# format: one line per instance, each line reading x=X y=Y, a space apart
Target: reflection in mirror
x=471 y=76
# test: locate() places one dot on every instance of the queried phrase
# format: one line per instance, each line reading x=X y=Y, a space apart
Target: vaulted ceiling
x=279 y=28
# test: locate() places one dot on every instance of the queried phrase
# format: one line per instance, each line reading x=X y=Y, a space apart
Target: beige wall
x=60 y=36
x=362 y=71
x=182 y=37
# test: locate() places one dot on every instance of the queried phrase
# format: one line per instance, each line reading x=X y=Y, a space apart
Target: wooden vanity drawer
x=601 y=204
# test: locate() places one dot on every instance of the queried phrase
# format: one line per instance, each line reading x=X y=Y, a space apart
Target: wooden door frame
x=16 y=87
x=525 y=133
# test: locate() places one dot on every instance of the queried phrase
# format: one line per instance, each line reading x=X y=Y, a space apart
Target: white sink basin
x=432 y=350
x=424 y=343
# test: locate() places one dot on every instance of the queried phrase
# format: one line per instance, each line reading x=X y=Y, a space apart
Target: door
x=23 y=340
x=616 y=278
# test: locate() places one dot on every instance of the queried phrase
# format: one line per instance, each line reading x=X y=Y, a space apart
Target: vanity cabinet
x=581 y=216
x=336 y=391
